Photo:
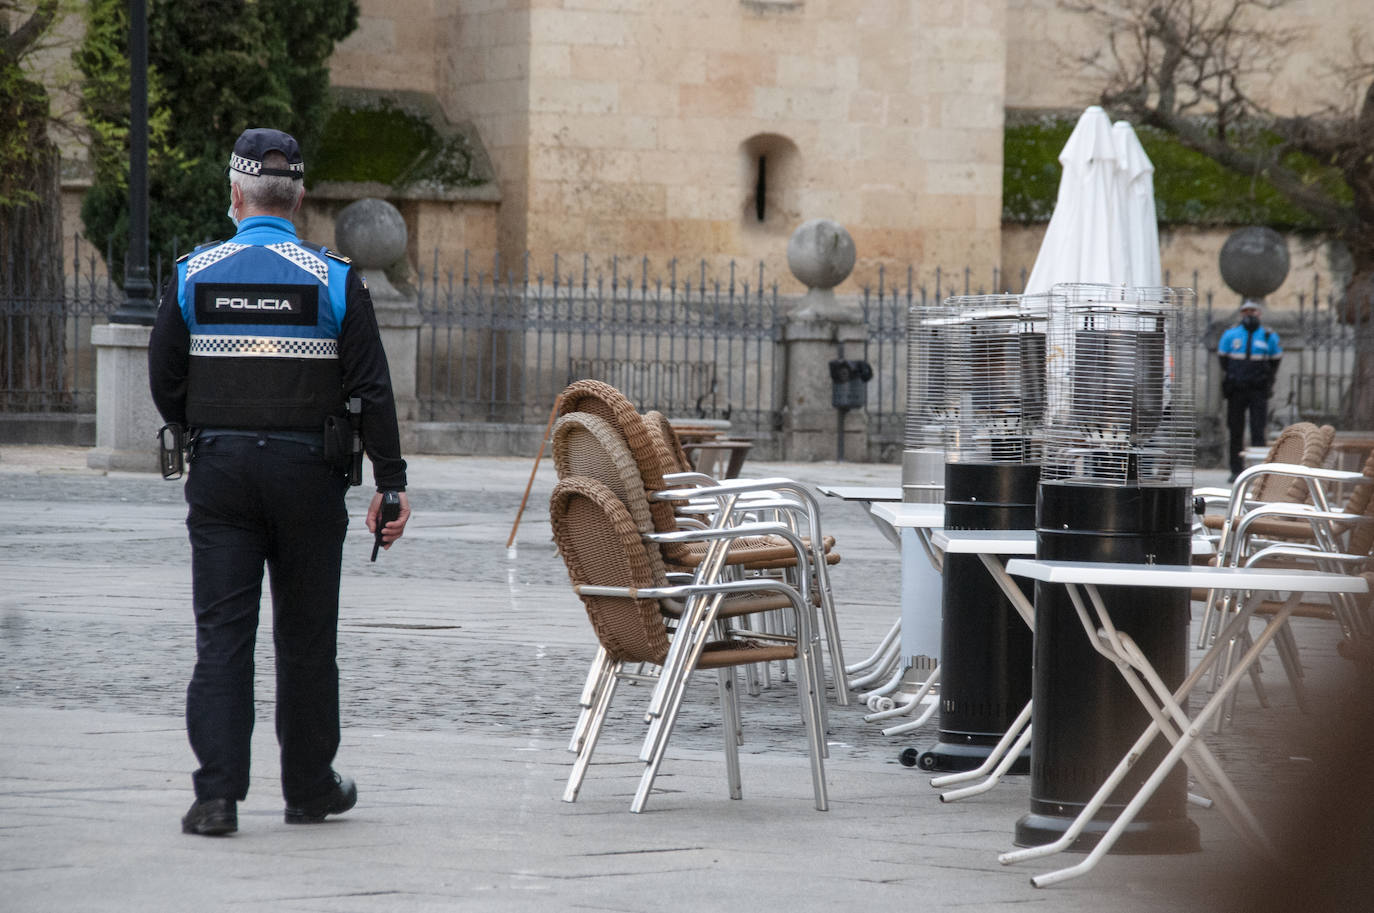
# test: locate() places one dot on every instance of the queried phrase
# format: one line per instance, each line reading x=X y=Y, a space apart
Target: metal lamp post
x=138 y=304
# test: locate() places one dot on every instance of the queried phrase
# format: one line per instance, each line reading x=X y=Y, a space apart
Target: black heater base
x=954 y=756
x=985 y=645
x=1085 y=716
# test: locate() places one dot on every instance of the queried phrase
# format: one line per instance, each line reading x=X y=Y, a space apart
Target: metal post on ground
x=138 y=304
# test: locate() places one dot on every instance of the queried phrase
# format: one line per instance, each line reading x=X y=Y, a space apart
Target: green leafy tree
x=1194 y=68
x=215 y=68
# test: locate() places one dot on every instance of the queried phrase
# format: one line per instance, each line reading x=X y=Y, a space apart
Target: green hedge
x=383 y=142
x=1190 y=188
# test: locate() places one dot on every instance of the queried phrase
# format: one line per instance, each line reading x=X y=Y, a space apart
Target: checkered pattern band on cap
x=263 y=347
x=248 y=166
x=212 y=256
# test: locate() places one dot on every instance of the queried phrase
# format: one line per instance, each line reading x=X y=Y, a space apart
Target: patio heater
x=995 y=374
x=930 y=405
x=1115 y=486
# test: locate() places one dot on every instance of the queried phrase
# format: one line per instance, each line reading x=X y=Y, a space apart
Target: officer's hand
x=396 y=528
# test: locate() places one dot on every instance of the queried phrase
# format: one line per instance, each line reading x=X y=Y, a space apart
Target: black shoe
x=340 y=799
x=211 y=817
x=1233 y=477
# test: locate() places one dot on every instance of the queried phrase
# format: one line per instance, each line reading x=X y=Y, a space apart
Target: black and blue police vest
x=264 y=312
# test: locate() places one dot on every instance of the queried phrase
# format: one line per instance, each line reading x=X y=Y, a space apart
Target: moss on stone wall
x=1190 y=188
x=377 y=140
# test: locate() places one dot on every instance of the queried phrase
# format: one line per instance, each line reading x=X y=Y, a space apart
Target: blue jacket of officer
x=1250 y=356
x=264 y=311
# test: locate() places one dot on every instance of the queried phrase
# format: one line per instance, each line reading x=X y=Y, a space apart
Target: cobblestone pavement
x=453 y=640
x=448 y=630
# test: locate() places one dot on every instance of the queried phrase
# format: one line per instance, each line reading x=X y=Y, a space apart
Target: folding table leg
x=1013 y=735
x=1008 y=759
x=1185 y=741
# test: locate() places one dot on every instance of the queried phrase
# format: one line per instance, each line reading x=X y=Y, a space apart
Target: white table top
x=984 y=541
x=862 y=492
x=1186 y=576
x=906 y=514
x=1009 y=542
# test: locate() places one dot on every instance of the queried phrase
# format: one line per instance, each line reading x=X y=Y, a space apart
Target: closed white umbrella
x=1084 y=241
x=1136 y=174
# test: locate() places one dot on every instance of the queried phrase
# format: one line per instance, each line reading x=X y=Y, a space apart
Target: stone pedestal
x=126 y=422
x=810 y=422
x=820 y=254
x=398 y=321
x=373 y=234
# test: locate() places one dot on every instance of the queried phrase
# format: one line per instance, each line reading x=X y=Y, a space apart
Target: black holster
x=343 y=442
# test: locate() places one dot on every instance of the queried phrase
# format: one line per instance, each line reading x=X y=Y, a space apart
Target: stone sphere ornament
x=821 y=253
x=1254 y=261
x=371 y=233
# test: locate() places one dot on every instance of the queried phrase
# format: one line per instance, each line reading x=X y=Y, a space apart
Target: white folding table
x=1080 y=579
x=886 y=655
x=918 y=627
x=990 y=545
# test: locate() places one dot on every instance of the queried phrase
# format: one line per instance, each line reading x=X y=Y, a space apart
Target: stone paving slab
x=461 y=661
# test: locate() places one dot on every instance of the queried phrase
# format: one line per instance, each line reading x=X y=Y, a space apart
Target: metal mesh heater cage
x=996 y=375
x=932 y=401
x=1119 y=403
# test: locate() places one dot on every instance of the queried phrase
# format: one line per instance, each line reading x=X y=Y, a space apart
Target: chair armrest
x=1311 y=473
x=1315 y=555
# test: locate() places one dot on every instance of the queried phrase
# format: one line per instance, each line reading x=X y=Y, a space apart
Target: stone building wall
x=636 y=127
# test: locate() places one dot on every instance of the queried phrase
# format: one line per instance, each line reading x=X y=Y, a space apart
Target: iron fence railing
x=498 y=346
x=46 y=361
x=689 y=345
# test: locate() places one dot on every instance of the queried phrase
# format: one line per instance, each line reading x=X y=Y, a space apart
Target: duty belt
x=312 y=438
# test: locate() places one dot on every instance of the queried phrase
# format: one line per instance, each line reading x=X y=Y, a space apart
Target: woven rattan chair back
x=585 y=445
x=1361 y=502
x=672 y=444
x=607 y=403
x=601 y=546
x=1299 y=443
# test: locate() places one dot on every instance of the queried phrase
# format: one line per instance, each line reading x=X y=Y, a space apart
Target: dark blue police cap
x=254 y=144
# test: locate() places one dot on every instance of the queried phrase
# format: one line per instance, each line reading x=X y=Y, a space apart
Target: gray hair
x=269 y=192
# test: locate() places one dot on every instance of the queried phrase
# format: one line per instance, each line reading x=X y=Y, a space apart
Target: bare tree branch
x=18 y=42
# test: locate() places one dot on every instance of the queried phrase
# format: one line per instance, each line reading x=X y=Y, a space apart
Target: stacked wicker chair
x=650 y=629
x=1300 y=444
x=589 y=447
x=1316 y=536
x=706 y=500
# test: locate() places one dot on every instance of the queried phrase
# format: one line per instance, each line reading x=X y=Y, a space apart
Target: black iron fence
x=497 y=346
x=46 y=361
x=685 y=343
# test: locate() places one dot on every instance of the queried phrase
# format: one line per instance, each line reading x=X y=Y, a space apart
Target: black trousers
x=258 y=501
x=1240 y=406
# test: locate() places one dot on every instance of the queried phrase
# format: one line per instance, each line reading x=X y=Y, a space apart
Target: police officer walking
x=1250 y=355
x=259 y=343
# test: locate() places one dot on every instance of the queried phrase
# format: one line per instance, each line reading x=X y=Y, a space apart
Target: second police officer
x=1250 y=354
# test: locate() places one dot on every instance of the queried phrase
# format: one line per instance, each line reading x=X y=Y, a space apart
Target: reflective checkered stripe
x=303 y=258
x=263 y=347
x=249 y=166
x=212 y=256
